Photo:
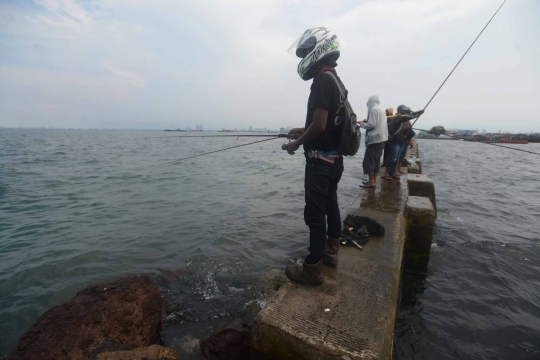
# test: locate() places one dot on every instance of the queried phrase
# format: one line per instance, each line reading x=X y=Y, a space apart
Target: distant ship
x=514 y=141
x=176 y=130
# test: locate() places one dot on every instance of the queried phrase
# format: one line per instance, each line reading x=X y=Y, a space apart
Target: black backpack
x=349 y=139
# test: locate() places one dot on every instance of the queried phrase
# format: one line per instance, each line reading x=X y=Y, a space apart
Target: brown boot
x=306 y=274
x=331 y=252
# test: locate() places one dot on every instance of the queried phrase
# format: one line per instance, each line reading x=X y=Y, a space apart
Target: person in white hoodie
x=376 y=137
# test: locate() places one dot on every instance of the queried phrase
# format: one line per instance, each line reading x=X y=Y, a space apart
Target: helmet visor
x=305 y=44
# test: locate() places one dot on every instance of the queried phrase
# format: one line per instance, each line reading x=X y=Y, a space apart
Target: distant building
x=282 y=130
x=466 y=132
x=251 y=128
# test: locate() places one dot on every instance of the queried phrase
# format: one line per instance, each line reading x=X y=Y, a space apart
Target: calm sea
x=80 y=207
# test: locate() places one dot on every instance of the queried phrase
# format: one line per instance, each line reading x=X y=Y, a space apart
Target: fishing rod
x=476 y=141
x=232 y=147
x=451 y=72
x=204 y=136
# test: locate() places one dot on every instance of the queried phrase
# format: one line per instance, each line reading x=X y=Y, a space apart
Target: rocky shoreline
x=124 y=319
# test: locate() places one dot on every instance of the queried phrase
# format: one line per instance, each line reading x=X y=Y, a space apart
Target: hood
x=372 y=102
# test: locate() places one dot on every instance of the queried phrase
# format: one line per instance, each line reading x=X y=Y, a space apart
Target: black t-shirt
x=324 y=94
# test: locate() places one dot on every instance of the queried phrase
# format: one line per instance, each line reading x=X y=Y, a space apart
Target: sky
x=134 y=64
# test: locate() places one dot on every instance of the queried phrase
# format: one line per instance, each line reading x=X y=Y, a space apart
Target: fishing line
x=204 y=136
x=481 y=142
x=436 y=92
x=451 y=72
x=215 y=151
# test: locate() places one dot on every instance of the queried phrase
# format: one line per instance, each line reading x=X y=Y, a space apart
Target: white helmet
x=314 y=46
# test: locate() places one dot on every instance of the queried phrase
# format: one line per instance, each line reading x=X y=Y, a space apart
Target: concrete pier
x=419 y=222
x=353 y=314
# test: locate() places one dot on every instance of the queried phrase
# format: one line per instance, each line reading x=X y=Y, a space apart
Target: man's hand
x=420 y=112
x=358 y=121
x=292 y=147
x=295 y=133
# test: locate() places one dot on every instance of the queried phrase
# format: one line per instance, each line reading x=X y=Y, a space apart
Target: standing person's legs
x=333 y=217
x=386 y=151
x=401 y=158
x=369 y=165
x=392 y=160
x=316 y=184
x=379 y=147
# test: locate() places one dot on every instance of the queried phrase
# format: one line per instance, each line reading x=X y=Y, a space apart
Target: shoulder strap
x=398 y=130
x=343 y=92
x=338 y=83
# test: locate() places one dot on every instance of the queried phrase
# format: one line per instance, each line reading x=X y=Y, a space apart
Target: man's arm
x=320 y=116
x=296 y=133
x=369 y=124
x=408 y=117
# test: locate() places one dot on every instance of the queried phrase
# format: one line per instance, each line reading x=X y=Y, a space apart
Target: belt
x=324 y=156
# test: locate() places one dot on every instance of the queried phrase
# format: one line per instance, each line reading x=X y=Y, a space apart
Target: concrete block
x=413 y=169
x=419 y=222
x=422 y=185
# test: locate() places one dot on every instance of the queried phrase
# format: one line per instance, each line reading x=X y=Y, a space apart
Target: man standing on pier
x=319 y=49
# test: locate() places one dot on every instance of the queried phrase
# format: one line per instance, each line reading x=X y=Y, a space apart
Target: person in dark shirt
x=397 y=139
x=409 y=134
x=324 y=165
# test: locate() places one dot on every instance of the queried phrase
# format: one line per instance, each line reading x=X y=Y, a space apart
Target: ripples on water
x=481 y=296
x=79 y=207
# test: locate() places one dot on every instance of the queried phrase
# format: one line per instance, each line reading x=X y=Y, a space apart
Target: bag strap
x=343 y=92
x=398 y=130
x=340 y=86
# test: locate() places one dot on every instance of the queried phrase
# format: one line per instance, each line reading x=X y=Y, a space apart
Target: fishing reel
x=290 y=137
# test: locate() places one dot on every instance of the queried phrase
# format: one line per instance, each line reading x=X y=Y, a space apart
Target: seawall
x=353 y=314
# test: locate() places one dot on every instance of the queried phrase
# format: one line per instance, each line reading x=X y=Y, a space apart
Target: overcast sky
x=134 y=64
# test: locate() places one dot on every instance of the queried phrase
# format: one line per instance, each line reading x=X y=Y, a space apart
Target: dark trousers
x=372 y=158
x=321 y=184
x=391 y=161
x=386 y=151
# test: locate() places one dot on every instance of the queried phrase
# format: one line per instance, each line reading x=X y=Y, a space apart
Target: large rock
x=231 y=343
x=127 y=311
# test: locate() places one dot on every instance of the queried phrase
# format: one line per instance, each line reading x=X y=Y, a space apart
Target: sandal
x=367 y=186
x=386 y=177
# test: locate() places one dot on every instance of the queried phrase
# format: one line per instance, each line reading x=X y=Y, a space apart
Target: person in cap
x=319 y=49
x=397 y=139
x=409 y=134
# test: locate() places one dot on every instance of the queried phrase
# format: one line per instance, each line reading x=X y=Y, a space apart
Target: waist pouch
x=329 y=156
